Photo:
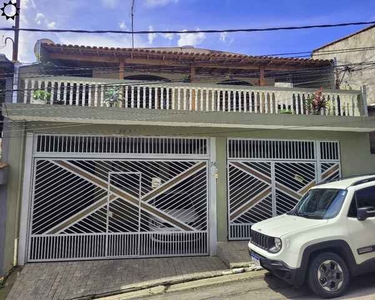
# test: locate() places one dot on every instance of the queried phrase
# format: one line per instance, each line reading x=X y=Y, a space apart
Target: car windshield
x=320 y=204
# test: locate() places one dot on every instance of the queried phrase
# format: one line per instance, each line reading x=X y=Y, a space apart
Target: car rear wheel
x=328 y=275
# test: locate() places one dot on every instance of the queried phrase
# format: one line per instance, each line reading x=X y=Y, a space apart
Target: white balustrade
x=190 y=96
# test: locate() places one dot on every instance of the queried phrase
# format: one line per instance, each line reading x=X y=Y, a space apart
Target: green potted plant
x=285 y=112
x=40 y=97
x=112 y=96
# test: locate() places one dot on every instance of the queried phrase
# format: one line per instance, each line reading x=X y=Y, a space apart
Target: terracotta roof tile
x=187 y=53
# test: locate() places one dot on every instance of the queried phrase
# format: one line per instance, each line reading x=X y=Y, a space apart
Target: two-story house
x=120 y=153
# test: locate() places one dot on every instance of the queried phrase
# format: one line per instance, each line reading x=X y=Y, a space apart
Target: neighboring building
x=355 y=59
x=158 y=152
x=355 y=56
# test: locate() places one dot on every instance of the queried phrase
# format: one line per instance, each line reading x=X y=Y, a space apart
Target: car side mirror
x=365 y=212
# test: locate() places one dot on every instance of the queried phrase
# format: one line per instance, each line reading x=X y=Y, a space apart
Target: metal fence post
x=212 y=198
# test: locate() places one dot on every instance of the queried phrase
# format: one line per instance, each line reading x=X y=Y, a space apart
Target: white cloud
x=26 y=4
x=155 y=3
x=51 y=25
x=110 y=3
x=122 y=25
x=223 y=36
x=151 y=36
x=168 y=36
x=191 y=39
x=39 y=18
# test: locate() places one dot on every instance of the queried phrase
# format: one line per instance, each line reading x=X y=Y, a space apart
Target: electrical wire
x=322 y=52
x=80 y=71
x=190 y=31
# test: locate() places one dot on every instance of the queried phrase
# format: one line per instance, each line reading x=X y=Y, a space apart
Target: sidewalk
x=67 y=280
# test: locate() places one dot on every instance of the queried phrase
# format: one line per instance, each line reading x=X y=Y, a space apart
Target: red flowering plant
x=316 y=103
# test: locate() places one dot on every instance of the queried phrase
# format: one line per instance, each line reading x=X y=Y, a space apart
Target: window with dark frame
x=362 y=198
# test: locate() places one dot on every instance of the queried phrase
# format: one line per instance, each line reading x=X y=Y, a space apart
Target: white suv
x=325 y=240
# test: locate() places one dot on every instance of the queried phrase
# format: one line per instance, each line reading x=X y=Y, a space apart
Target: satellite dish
x=37 y=47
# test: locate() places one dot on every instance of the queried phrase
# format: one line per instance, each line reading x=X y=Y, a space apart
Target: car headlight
x=277 y=246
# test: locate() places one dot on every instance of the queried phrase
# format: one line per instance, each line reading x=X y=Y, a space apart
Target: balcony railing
x=190 y=96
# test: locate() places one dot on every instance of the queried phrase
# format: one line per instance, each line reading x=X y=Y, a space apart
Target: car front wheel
x=328 y=275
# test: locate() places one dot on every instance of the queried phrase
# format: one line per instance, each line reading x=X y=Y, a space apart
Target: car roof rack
x=366 y=180
x=350 y=177
x=328 y=181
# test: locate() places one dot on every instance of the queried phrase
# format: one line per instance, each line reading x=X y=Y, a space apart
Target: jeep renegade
x=325 y=240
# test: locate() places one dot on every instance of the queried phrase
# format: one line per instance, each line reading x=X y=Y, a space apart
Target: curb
x=158 y=286
x=226 y=276
x=214 y=281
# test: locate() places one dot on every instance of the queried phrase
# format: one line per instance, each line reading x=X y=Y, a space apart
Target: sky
x=189 y=15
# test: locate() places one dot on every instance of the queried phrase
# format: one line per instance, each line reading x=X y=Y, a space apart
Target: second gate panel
x=267 y=178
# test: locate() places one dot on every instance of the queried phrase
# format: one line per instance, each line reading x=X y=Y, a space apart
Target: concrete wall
x=360 y=74
x=355 y=153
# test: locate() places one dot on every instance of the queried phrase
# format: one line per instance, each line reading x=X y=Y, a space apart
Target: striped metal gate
x=267 y=178
x=100 y=197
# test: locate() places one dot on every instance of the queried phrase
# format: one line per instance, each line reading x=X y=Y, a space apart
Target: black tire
x=328 y=270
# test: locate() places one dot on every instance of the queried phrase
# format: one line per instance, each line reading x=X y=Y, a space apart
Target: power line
x=322 y=52
x=304 y=74
x=66 y=69
x=190 y=31
x=112 y=70
x=115 y=69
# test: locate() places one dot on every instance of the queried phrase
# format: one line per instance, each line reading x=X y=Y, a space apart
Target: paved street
x=268 y=288
x=66 y=280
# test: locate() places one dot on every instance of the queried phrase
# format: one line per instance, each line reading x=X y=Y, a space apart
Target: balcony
x=92 y=92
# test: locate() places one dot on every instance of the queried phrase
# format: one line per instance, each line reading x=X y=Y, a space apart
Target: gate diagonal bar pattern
x=108 y=208
x=267 y=178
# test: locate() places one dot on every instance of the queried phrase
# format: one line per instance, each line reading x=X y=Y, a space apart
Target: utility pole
x=16 y=32
x=132 y=16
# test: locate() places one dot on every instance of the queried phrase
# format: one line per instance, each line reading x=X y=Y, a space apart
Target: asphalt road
x=268 y=288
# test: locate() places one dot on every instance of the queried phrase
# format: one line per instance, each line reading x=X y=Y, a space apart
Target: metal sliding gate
x=267 y=178
x=100 y=197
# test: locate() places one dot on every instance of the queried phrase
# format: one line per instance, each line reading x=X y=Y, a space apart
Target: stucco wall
x=355 y=150
x=15 y=160
x=355 y=153
x=360 y=74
